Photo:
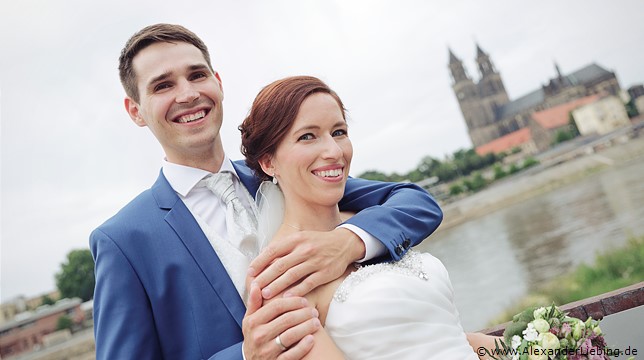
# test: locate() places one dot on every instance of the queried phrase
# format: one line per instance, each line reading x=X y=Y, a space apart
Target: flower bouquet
x=547 y=333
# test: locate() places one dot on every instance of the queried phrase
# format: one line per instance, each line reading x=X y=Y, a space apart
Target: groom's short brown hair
x=147 y=36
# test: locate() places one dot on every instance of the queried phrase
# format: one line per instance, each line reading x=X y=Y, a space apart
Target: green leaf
x=515 y=328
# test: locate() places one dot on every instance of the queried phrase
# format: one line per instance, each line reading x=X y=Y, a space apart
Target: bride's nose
x=331 y=149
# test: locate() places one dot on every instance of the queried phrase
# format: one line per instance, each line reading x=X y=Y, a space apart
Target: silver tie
x=244 y=224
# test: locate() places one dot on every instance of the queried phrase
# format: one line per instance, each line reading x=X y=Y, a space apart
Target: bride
x=296 y=139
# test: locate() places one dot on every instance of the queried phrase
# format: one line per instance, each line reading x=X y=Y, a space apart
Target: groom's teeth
x=192 y=117
x=329 y=173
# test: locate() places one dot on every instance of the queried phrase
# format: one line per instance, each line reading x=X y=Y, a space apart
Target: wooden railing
x=597 y=306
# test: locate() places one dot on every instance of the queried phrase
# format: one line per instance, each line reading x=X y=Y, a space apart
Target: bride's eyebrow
x=306 y=128
x=341 y=123
x=317 y=127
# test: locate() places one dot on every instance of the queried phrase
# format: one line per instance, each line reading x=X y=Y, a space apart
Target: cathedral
x=490 y=114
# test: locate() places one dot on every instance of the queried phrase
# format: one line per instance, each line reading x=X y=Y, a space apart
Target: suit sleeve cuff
x=373 y=247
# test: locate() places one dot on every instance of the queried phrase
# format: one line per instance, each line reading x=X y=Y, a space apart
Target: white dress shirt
x=203 y=203
x=200 y=201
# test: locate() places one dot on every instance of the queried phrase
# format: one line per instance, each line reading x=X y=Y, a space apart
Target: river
x=497 y=258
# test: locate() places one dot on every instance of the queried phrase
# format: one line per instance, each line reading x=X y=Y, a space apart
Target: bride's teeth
x=329 y=173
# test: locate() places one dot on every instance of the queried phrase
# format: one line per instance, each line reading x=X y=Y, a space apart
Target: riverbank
x=536 y=181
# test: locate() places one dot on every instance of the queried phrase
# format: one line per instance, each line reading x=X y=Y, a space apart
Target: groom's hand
x=289 y=318
x=305 y=260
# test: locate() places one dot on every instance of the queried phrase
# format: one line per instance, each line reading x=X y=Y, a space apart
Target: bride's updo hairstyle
x=272 y=115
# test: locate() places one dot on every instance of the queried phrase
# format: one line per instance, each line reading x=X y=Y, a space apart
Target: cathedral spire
x=559 y=76
x=452 y=58
x=483 y=62
x=479 y=51
x=456 y=68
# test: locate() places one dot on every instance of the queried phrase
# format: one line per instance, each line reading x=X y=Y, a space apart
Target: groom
x=166 y=276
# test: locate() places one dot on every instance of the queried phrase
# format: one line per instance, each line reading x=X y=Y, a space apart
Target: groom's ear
x=132 y=109
x=266 y=163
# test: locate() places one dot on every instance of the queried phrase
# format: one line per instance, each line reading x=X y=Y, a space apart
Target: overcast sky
x=71 y=157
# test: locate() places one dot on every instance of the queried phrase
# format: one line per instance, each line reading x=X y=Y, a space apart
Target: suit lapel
x=247 y=177
x=186 y=227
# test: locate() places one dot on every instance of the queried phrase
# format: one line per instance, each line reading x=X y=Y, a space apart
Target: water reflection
x=538 y=256
x=496 y=259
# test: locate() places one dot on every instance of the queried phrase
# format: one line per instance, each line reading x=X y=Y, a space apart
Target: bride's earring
x=274 y=179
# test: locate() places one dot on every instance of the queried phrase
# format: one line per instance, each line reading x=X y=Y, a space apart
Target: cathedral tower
x=479 y=102
x=490 y=86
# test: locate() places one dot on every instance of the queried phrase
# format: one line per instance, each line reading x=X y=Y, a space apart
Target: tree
x=415 y=176
x=374 y=175
x=64 y=322
x=46 y=300
x=499 y=173
x=561 y=136
x=428 y=166
x=446 y=172
x=528 y=162
x=76 y=278
x=631 y=109
x=456 y=189
x=478 y=182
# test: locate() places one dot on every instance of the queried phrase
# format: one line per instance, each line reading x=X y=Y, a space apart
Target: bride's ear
x=266 y=163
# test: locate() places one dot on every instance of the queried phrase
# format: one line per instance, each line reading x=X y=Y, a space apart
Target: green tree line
x=462 y=163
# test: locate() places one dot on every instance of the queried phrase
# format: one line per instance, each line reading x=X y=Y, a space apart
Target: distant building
x=490 y=115
x=27 y=331
x=601 y=116
x=595 y=114
x=639 y=105
x=10 y=309
x=636 y=94
x=520 y=139
x=636 y=91
x=545 y=124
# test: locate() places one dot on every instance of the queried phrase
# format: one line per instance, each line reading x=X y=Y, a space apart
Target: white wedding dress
x=402 y=310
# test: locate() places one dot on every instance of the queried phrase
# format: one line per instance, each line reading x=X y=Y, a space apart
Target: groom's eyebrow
x=167 y=74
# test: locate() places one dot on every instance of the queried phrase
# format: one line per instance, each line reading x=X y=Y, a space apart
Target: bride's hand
x=305 y=260
x=289 y=319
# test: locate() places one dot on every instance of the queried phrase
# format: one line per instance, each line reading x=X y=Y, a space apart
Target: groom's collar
x=183 y=178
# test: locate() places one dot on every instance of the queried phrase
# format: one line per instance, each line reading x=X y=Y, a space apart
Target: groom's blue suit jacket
x=162 y=292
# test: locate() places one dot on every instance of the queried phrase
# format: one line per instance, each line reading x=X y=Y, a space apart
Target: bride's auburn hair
x=272 y=115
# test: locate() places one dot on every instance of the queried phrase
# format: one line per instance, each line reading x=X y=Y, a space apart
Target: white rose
x=536 y=353
x=530 y=334
x=541 y=325
x=516 y=341
x=549 y=341
x=539 y=313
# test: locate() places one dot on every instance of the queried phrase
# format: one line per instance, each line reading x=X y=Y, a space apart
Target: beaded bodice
x=411 y=264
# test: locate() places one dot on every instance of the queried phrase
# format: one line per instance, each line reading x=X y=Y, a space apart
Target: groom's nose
x=186 y=92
